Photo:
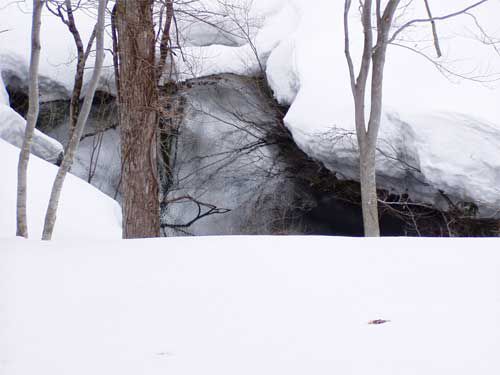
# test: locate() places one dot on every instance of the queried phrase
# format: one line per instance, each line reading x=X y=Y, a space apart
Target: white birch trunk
x=69 y=156
x=31 y=118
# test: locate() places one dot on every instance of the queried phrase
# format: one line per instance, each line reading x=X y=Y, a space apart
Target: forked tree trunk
x=138 y=118
x=31 y=118
x=374 y=58
x=75 y=135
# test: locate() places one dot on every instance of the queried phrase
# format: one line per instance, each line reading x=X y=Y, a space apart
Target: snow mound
x=84 y=212
x=439 y=131
x=264 y=24
x=250 y=305
x=12 y=128
x=57 y=59
x=439 y=136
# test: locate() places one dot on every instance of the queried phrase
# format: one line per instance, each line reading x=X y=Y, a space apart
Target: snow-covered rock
x=13 y=126
x=439 y=131
x=84 y=212
x=301 y=49
x=58 y=51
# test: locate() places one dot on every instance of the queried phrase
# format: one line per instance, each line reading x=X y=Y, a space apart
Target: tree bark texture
x=138 y=102
x=31 y=119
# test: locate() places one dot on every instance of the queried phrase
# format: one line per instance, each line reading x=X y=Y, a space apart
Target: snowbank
x=240 y=305
x=13 y=126
x=84 y=212
x=58 y=53
x=439 y=131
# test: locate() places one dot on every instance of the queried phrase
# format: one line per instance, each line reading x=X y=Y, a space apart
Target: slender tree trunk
x=368 y=148
x=367 y=136
x=138 y=102
x=369 y=192
x=50 y=216
x=31 y=118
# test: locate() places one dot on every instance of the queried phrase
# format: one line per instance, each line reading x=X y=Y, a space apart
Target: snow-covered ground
x=84 y=212
x=241 y=305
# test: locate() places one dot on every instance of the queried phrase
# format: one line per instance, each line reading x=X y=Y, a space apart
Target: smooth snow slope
x=84 y=212
x=246 y=306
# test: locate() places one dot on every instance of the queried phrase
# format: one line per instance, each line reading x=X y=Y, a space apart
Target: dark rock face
x=339 y=218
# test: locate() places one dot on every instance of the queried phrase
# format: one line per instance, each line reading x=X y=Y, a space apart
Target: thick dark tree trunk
x=138 y=102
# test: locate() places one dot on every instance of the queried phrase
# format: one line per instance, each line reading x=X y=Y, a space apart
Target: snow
x=250 y=305
x=58 y=51
x=265 y=25
x=84 y=212
x=443 y=127
x=13 y=127
x=446 y=126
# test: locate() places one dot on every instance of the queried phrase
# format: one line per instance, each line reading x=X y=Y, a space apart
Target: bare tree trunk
x=374 y=58
x=369 y=192
x=82 y=56
x=138 y=102
x=50 y=216
x=31 y=118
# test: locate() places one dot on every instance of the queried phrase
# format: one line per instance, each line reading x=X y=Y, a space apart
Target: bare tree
x=373 y=61
x=138 y=98
x=76 y=134
x=374 y=58
x=65 y=11
x=31 y=118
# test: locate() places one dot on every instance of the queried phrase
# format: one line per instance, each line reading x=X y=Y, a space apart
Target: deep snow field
x=84 y=211
x=250 y=305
